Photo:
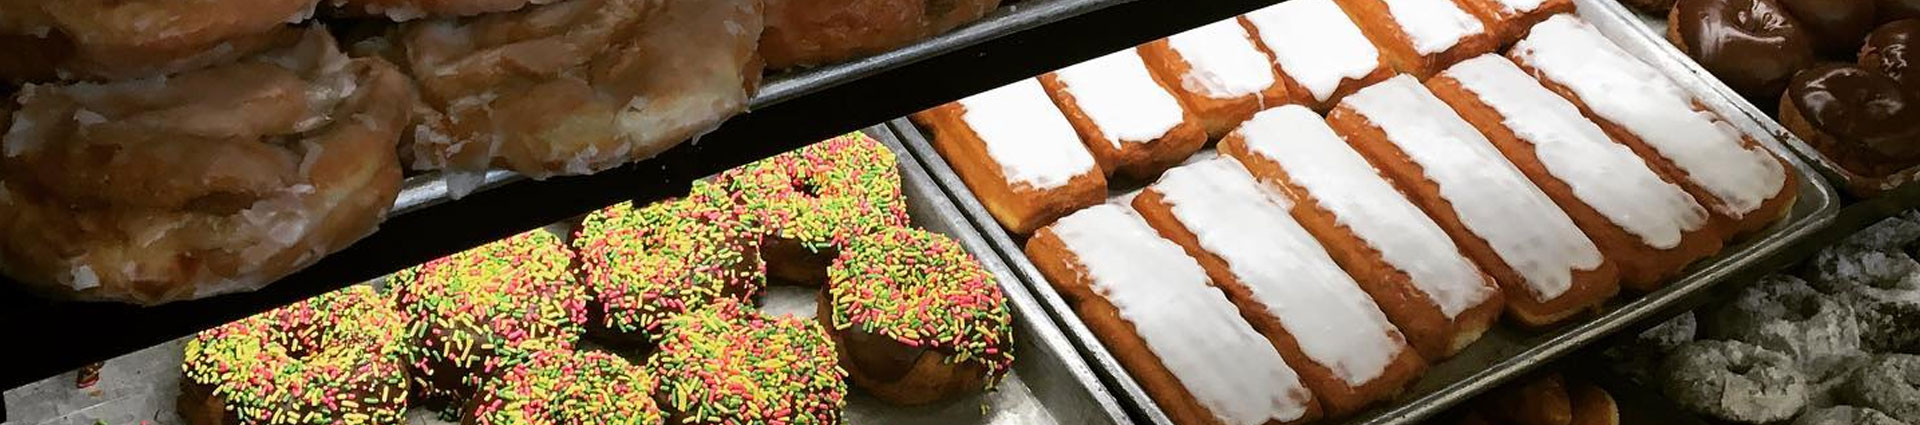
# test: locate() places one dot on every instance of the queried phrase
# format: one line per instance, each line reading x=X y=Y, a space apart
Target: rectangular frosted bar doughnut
x=1413 y=270
x=1283 y=281
x=1320 y=53
x=1549 y=269
x=1179 y=336
x=1017 y=153
x=1510 y=19
x=1648 y=226
x=1132 y=125
x=1421 y=37
x=1731 y=174
x=1218 y=72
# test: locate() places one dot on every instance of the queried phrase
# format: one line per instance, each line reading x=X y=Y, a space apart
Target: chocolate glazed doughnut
x=1753 y=45
x=1837 y=26
x=1859 y=118
x=1889 y=52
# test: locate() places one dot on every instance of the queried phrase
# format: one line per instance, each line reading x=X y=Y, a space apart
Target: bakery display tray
x=1505 y=352
x=1049 y=384
x=1654 y=27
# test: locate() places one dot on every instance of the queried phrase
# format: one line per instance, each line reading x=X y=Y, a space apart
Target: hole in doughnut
x=1801 y=308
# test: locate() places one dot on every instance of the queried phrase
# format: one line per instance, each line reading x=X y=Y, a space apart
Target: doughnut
x=1837 y=26
x=1549 y=269
x=563 y=386
x=474 y=314
x=407 y=10
x=129 y=39
x=1510 y=19
x=1017 y=152
x=1544 y=400
x=1889 y=383
x=1422 y=37
x=1734 y=381
x=214 y=181
x=820 y=32
x=1218 y=72
x=1869 y=274
x=1754 y=46
x=575 y=86
x=1319 y=52
x=1886 y=52
x=1594 y=406
x=1784 y=314
x=728 y=364
x=1861 y=119
x=1846 y=415
x=915 y=318
x=643 y=265
x=334 y=358
x=812 y=201
x=1133 y=126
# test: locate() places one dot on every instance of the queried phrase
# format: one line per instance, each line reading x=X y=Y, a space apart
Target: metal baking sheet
x=1050 y=383
x=1505 y=352
x=1655 y=27
x=429 y=189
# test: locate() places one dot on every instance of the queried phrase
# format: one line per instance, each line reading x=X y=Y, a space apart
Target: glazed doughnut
x=1132 y=124
x=1782 y=313
x=1869 y=274
x=1837 y=26
x=812 y=201
x=1889 y=383
x=567 y=387
x=1754 y=46
x=407 y=10
x=1422 y=37
x=335 y=357
x=126 y=39
x=1320 y=53
x=1734 y=381
x=644 y=265
x=1861 y=119
x=475 y=313
x=819 y=32
x=576 y=86
x=1018 y=153
x=726 y=363
x=915 y=318
x=210 y=182
x=1846 y=415
x=1890 y=50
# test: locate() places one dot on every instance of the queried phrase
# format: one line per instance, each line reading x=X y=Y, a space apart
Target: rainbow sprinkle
x=727 y=364
x=923 y=290
x=488 y=309
x=332 y=359
x=822 y=194
x=649 y=264
x=566 y=387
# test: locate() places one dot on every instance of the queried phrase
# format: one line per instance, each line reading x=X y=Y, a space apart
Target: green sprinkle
x=923 y=290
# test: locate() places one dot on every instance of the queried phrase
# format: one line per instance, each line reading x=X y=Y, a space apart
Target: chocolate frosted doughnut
x=1846 y=415
x=1837 y=26
x=1890 y=384
x=1784 y=314
x=1734 y=381
x=1888 y=51
x=1755 y=46
x=1860 y=118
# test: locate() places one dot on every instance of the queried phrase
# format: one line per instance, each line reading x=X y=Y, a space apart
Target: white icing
x=1520 y=6
x=1603 y=174
x=1433 y=25
x=1121 y=98
x=1186 y=322
x=1233 y=217
x=1343 y=183
x=1026 y=134
x=1628 y=92
x=1491 y=197
x=1315 y=43
x=1224 y=63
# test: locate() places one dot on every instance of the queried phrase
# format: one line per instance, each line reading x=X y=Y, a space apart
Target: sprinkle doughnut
x=1734 y=381
x=473 y=314
x=915 y=318
x=332 y=359
x=1784 y=314
x=1889 y=383
x=646 y=265
x=1846 y=415
x=812 y=200
x=123 y=39
x=728 y=364
x=214 y=181
x=566 y=387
